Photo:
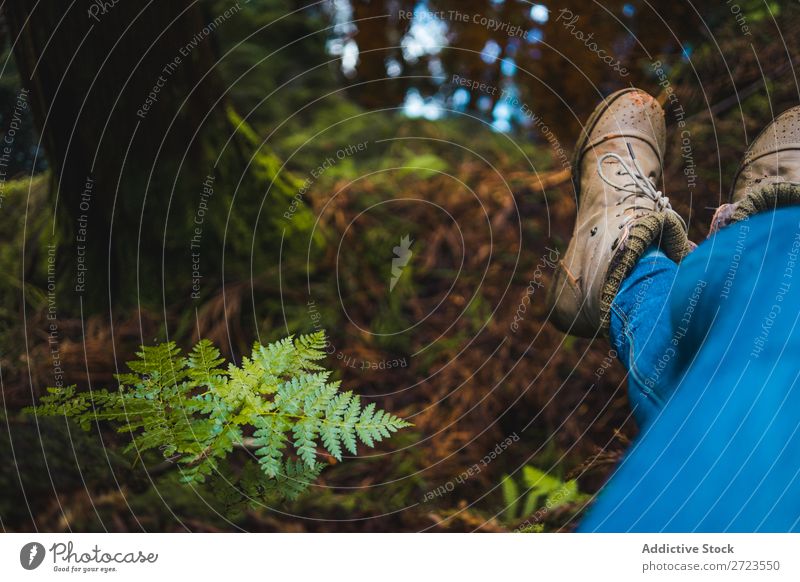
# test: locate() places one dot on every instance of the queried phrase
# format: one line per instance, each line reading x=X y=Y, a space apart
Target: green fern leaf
x=196 y=411
x=305 y=432
x=205 y=363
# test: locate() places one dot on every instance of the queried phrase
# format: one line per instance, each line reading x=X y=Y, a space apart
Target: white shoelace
x=639 y=187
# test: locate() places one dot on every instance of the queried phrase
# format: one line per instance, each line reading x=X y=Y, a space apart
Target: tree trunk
x=107 y=89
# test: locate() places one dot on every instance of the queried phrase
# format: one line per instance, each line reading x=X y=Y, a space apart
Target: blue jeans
x=712 y=348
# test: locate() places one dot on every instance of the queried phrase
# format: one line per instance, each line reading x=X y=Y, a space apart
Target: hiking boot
x=769 y=175
x=616 y=168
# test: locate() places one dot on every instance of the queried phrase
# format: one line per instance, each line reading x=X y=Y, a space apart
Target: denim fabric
x=641 y=329
x=723 y=453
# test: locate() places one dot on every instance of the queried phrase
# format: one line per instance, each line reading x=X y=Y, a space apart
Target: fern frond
x=205 y=364
x=305 y=433
x=270 y=437
x=162 y=362
x=296 y=478
x=309 y=349
x=196 y=411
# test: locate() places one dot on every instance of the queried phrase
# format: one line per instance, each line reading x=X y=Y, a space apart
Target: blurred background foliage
x=302 y=229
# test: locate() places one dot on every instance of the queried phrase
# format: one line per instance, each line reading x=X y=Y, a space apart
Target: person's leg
x=724 y=454
x=620 y=212
x=641 y=331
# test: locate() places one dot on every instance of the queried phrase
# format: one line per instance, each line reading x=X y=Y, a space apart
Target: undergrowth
x=279 y=404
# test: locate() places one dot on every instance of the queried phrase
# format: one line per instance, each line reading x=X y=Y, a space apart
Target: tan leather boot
x=769 y=175
x=616 y=168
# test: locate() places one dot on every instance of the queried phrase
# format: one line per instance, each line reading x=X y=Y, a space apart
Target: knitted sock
x=769 y=198
x=663 y=230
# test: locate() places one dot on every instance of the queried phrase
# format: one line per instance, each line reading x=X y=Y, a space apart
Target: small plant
x=196 y=411
x=543 y=494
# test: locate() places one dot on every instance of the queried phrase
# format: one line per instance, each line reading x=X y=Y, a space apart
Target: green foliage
x=542 y=493
x=423 y=166
x=196 y=411
x=266 y=169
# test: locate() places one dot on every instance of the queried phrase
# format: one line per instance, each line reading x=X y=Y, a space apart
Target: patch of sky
x=540 y=13
x=426 y=35
x=508 y=67
x=416 y=106
x=490 y=52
